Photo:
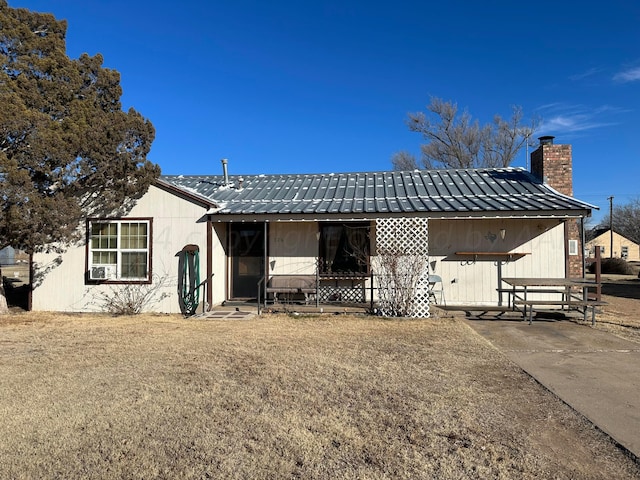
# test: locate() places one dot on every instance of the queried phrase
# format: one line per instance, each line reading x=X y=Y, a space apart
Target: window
x=625 y=252
x=344 y=248
x=119 y=250
x=573 y=247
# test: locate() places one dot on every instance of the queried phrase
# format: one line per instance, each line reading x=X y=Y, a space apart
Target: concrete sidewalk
x=597 y=373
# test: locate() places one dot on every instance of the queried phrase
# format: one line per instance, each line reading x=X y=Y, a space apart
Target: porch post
x=209 y=289
x=266 y=265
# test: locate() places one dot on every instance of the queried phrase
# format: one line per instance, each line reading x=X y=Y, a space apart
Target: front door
x=246 y=250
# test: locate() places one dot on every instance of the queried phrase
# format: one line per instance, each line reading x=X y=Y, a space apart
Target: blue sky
x=296 y=87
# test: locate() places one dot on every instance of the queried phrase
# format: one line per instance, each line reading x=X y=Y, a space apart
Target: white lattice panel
x=402 y=266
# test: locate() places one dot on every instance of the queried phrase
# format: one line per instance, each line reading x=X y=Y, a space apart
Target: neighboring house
x=7 y=256
x=622 y=246
x=473 y=226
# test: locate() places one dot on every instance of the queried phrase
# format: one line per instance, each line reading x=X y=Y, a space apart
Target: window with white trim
x=573 y=247
x=119 y=250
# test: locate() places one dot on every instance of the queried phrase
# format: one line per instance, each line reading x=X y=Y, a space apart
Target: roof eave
x=344 y=217
x=185 y=194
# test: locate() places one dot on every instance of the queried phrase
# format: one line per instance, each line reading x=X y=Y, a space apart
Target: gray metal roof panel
x=473 y=190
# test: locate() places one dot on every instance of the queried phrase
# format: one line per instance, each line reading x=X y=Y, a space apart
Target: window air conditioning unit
x=107 y=272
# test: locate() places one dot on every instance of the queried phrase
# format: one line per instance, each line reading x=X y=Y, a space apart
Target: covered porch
x=332 y=265
x=327 y=265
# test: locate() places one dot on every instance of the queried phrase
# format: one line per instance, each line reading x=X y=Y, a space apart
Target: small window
x=625 y=252
x=118 y=250
x=344 y=248
x=573 y=247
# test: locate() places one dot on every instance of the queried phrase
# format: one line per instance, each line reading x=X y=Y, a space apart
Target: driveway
x=595 y=372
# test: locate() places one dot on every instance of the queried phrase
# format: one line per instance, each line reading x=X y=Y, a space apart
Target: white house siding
x=472 y=281
x=61 y=287
x=293 y=248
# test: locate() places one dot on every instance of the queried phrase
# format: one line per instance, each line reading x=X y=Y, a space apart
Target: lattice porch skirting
x=407 y=240
x=343 y=290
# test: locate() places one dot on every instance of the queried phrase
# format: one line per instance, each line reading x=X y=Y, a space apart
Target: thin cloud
x=629 y=75
x=586 y=74
x=565 y=119
x=571 y=124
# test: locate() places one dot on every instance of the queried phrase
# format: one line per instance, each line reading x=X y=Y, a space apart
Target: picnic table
x=522 y=290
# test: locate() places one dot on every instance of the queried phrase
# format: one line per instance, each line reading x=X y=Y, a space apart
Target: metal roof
x=467 y=192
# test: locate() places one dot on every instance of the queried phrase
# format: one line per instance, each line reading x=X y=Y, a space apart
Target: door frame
x=260 y=247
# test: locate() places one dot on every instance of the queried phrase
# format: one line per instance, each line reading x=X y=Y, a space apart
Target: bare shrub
x=132 y=299
x=399 y=278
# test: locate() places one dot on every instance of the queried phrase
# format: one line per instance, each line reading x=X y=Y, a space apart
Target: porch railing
x=399 y=295
x=329 y=289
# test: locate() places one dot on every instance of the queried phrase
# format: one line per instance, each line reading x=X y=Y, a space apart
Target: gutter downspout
x=582 y=246
x=567 y=263
x=31 y=275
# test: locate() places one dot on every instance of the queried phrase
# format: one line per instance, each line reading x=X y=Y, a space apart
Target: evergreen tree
x=67 y=149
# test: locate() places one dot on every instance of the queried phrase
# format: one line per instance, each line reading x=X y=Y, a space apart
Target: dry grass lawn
x=278 y=397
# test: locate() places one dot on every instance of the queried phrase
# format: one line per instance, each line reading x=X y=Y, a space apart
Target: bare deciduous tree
x=457 y=141
x=404 y=160
x=626 y=220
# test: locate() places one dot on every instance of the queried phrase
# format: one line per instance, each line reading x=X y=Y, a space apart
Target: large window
x=344 y=248
x=119 y=250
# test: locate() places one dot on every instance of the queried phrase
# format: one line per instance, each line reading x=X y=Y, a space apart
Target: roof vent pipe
x=224 y=171
x=546 y=140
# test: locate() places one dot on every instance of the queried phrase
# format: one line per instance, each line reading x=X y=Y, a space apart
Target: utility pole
x=611 y=226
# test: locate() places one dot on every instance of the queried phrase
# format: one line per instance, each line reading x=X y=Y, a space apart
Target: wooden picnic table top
x=548 y=282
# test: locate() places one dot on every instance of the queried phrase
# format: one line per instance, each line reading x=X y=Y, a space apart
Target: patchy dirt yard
x=622 y=314
x=280 y=397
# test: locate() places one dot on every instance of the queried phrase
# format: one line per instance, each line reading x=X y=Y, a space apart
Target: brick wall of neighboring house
x=553 y=165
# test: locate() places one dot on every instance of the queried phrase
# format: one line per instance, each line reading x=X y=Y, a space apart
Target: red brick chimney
x=553 y=165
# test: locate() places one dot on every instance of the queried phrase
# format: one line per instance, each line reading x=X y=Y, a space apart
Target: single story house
x=471 y=227
x=605 y=239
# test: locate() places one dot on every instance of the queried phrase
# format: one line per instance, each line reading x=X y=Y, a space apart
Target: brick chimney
x=553 y=165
